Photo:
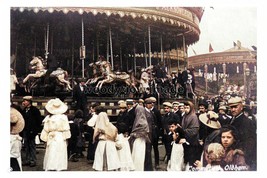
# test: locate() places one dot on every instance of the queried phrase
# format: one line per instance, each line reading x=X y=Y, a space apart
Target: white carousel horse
x=61 y=75
x=96 y=75
x=37 y=65
x=110 y=76
x=144 y=79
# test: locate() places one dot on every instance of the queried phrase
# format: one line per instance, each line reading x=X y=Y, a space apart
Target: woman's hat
x=16 y=121
x=56 y=106
x=210 y=119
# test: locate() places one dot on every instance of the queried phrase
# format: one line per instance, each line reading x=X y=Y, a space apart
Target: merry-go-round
x=123 y=52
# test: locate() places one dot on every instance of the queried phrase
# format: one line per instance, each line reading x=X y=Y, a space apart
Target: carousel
x=233 y=71
x=53 y=47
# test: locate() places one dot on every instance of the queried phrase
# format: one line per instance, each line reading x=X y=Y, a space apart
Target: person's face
x=149 y=106
x=235 y=110
x=186 y=109
x=227 y=139
x=172 y=127
x=175 y=107
x=201 y=109
x=181 y=108
x=167 y=109
x=26 y=103
x=122 y=109
x=92 y=109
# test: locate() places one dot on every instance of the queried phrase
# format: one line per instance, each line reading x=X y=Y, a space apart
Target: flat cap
x=168 y=104
x=129 y=102
x=153 y=99
x=234 y=101
x=148 y=101
x=175 y=103
x=29 y=98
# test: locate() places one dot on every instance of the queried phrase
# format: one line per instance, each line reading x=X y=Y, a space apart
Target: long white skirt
x=106 y=149
x=138 y=153
x=176 y=163
x=124 y=153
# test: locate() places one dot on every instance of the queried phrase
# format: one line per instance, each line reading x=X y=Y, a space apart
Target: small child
x=176 y=138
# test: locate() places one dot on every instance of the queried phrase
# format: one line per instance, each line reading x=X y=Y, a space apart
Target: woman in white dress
x=106 y=155
x=55 y=133
x=16 y=126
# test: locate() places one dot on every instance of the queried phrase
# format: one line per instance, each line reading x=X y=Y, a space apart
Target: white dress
x=15 y=148
x=138 y=153
x=55 y=132
x=124 y=153
x=176 y=163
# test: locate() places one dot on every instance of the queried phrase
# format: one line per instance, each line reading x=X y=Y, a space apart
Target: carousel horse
x=110 y=76
x=96 y=74
x=144 y=79
x=37 y=64
x=62 y=78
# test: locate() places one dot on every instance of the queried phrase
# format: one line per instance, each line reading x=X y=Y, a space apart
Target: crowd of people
x=213 y=135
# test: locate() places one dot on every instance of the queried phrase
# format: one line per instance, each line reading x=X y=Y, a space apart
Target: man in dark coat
x=247 y=131
x=33 y=126
x=80 y=98
x=169 y=115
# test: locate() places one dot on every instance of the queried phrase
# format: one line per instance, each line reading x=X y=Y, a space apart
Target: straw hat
x=210 y=119
x=222 y=108
x=56 y=106
x=16 y=121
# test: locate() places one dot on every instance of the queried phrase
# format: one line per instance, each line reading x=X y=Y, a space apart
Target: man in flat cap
x=33 y=122
x=246 y=129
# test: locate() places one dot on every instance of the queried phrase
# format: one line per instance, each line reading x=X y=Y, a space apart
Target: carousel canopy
x=59 y=29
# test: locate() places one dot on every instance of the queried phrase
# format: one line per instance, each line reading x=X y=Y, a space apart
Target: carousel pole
x=82 y=50
x=161 y=49
x=121 y=57
x=185 y=61
x=111 y=50
x=46 y=42
x=134 y=60
x=107 y=47
x=177 y=53
x=145 y=51
x=93 y=51
x=149 y=45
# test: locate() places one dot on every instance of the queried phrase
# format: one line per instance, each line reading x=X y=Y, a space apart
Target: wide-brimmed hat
x=233 y=101
x=210 y=119
x=56 y=106
x=16 y=121
x=168 y=104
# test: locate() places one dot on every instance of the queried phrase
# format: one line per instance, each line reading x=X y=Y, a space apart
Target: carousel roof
x=129 y=26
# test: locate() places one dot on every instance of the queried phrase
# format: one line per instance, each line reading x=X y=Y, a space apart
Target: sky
x=221 y=26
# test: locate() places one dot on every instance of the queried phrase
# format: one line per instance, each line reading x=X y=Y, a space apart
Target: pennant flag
x=194 y=51
x=254 y=47
x=210 y=48
x=234 y=44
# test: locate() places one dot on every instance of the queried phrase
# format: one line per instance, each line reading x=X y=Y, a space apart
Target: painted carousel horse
x=36 y=64
x=144 y=79
x=110 y=76
x=96 y=73
x=62 y=78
